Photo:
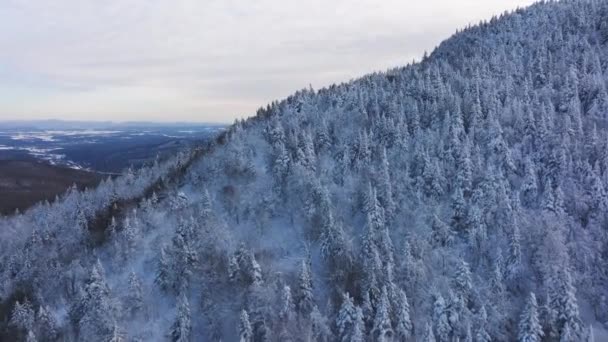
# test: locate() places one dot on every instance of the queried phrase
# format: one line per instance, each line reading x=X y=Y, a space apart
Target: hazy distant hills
x=98 y=146
x=40 y=159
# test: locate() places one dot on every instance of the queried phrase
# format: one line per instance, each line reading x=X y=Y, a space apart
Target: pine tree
x=345 y=320
x=358 y=331
x=97 y=320
x=182 y=326
x=568 y=313
x=281 y=164
x=530 y=185
x=386 y=193
x=382 y=329
x=319 y=326
x=482 y=334
x=22 y=316
x=530 y=329
x=514 y=258
x=304 y=299
x=440 y=319
x=245 y=330
x=458 y=210
x=288 y=310
x=135 y=301
x=372 y=265
x=497 y=279
x=163 y=271
x=429 y=336
x=48 y=327
x=442 y=234
x=401 y=316
x=462 y=281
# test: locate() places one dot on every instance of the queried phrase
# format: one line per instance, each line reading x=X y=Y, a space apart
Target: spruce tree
x=181 y=329
x=530 y=329
x=382 y=329
x=245 y=330
x=304 y=299
x=345 y=320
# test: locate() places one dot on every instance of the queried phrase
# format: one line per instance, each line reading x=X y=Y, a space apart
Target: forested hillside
x=462 y=198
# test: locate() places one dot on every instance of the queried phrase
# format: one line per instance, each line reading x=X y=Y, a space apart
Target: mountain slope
x=463 y=197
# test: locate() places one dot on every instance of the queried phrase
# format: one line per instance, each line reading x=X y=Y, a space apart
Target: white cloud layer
x=204 y=60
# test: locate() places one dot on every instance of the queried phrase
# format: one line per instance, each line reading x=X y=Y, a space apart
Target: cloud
x=204 y=60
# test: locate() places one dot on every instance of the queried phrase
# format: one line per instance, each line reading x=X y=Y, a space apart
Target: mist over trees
x=462 y=198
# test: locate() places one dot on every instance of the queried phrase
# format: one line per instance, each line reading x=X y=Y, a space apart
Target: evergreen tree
x=382 y=329
x=135 y=301
x=358 y=331
x=245 y=330
x=22 y=316
x=530 y=185
x=514 y=258
x=48 y=327
x=441 y=321
x=345 y=320
x=287 y=310
x=97 y=320
x=482 y=334
x=401 y=316
x=386 y=193
x=304 y=299
x=181 y=329
x=429 y=336
x=462 y=281
x=565 y=305
x=530 y=329
x=163 y=271
x=458 y=210
x=442 y=234
x=319 y=325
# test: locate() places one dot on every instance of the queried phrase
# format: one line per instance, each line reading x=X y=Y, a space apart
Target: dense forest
x=461 y=198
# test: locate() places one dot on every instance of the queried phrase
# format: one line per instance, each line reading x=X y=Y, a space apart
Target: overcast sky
x=205 y=60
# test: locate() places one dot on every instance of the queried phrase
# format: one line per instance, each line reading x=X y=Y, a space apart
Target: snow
x=466 y=182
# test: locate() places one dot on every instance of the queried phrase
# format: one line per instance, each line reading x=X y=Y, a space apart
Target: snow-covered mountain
x=460 y=198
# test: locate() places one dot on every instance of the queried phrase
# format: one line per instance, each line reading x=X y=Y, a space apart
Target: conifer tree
x=135 y=301
x=345 y=320
x=429 y=336
x=401 y=317
x=182 y=325
x=441 y=321
x=530 y=329
x=304 y=299
x=462 y=282
x=358 y=331
x=245 y=330
x=22 y=316
x=163 y=271
x=382 y=329
x=48 y=327
x=482 y=334
x=97 y=318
